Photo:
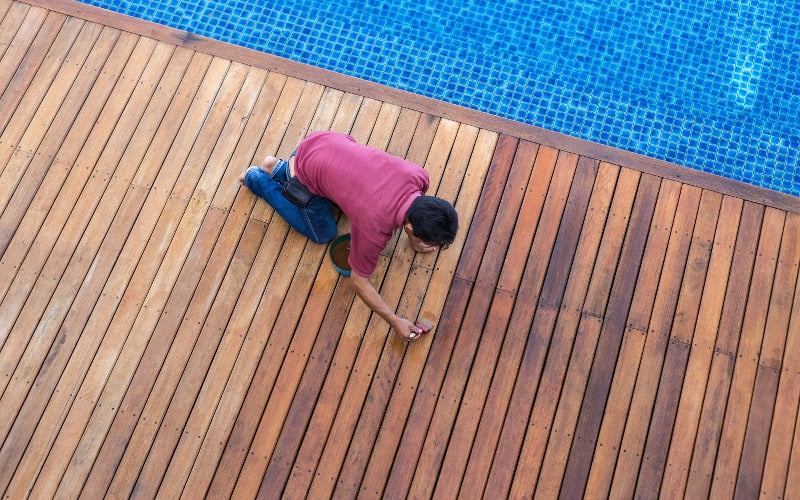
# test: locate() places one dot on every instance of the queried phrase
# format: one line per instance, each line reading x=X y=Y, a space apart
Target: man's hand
x=406 y=329
x=403 y=327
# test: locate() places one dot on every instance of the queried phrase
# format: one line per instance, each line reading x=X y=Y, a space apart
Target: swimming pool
x=712 y=85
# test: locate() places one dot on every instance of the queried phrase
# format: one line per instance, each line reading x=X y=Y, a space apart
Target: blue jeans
x=315 y=220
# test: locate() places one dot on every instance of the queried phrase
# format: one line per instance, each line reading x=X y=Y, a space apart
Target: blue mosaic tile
x=709 y=84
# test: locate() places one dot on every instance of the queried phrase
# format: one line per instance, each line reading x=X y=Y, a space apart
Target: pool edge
x=583 y=147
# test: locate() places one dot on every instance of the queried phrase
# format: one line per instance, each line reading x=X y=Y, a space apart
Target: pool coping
x=345 y=83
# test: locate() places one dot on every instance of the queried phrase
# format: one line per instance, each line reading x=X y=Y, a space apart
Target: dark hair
x=434 y=220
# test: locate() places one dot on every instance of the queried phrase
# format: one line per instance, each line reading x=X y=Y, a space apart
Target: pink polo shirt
x=373 y=188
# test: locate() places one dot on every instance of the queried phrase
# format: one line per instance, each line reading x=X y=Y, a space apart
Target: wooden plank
x=75 y=221
x=564 y=329
x=467 y=344
x=263 y=370
x=292 y=132
x=154 y=223
x=442 y=346
x=792 y=480
x=362 y=342
x=31 y=47
x=775 y=480
x=214 y=440
x=695 y=380
x=677 y=355
x=297 y=355
x=495 y=416
x=719 y=379
x=660 y=323
x=18 y=28
x=35 y=171
x=33 y=215
x=406 y=282
x=357 y=414
x=136 y=447
x=468 y=160
x=167 y=330
x=541 y=330
x=622 y=387
x=217 y=296
x=726 y=468
x=42 y=89
x=181 y=227
x=55 y=116
x=57 y=165
x=411 y=129
x=314 y=377
x=164 y=444
x=61 y=230
x=229 y=194
x=562 y=426
x=765 y=391
x=497 y=323
x=5 y=6
x=599 y=382
x=466 y=422
x=45 y=220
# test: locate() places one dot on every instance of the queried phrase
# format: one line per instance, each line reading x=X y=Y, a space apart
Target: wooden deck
x=607 y=324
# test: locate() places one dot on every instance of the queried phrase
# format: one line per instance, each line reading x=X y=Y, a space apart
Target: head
x=431 y=223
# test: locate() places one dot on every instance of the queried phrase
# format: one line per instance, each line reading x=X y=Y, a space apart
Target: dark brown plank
x=776 y=468
x=486 y=360
x=726 y=468
x=765 y=391
x=497 y=322
x=588 y=328
x=677 y=355
x=564 y=330
x=433 y=377
x=599 y=383
x=459 y=367
x=369 y=447
x=540 y=332
x=620 y=397
x=719 y=380
x=633 y=439
x=703 y=341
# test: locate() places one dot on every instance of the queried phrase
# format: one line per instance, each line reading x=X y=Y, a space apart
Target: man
x=378 y=192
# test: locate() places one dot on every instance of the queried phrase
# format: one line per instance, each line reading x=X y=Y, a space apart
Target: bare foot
x=267 y=166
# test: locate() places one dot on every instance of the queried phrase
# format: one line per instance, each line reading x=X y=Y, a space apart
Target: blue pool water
x=712 y=85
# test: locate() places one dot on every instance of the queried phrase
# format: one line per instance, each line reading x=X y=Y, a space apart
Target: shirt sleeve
x=364 y=254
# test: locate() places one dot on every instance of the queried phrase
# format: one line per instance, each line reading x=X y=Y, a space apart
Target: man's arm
x=373 y=299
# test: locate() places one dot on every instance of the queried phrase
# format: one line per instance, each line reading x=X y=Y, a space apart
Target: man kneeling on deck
x=378 y=192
